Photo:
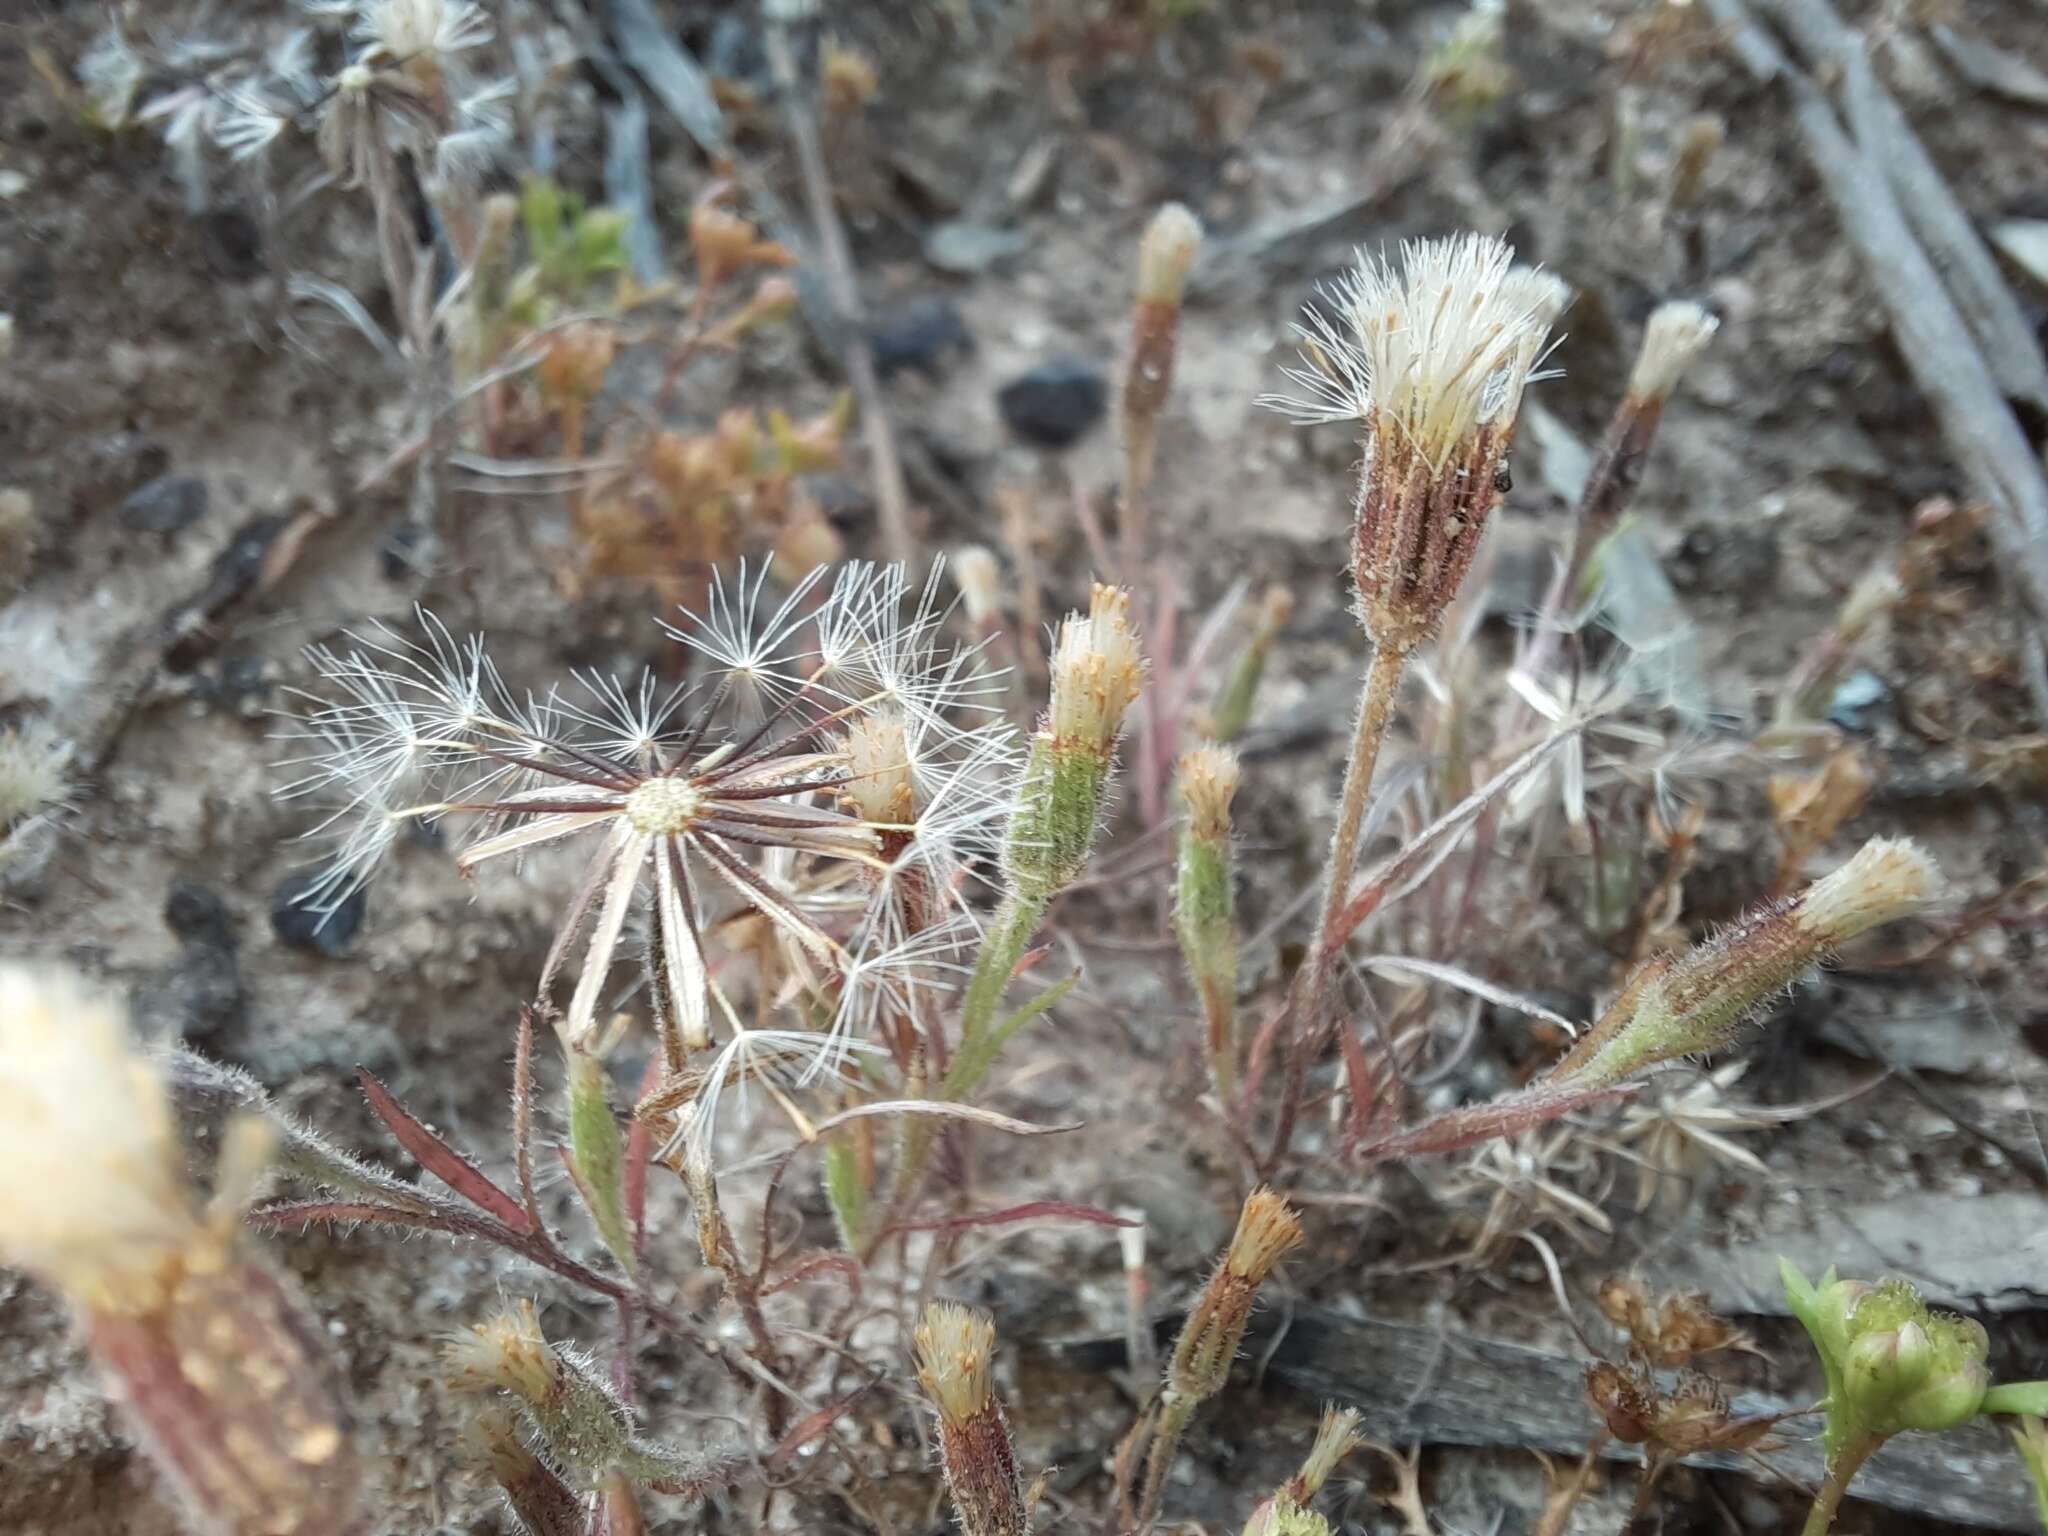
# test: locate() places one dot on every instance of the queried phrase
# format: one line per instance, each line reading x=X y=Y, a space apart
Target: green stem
x=1015 y=921
x=1010 y=931
x=1854 y=1452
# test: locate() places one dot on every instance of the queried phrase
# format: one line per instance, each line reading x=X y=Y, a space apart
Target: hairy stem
x=1847 y=1461
x=1310 y=992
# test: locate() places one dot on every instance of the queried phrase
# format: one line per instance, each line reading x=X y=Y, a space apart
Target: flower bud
x=954 y=1347
x=1680 y=1005
x=1892 y=1363
x=597 y=1153
x=1240 y=690
x=980 y=580
x=1677 y=334
x=219 y=1367
x=1096 y=673
x=1267 y=1231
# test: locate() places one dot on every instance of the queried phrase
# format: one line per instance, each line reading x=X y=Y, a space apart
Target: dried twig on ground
x=836 y=259
x=1931 y=330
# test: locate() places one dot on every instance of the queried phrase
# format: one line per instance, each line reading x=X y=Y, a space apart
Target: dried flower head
x=1208 y=782
x=1430 y=357
x=954 y=1346
x=1267 y=1231
x=1669 y=1331
x=219 y=1368
x=1677 y=334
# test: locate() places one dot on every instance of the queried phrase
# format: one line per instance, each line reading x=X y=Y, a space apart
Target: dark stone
x=234 y=244
x=316 y=929
x=847 y=504
x=1054 y=404
x=168 y=504
x=922 y=334
x=1739 y=559
x=196 y=914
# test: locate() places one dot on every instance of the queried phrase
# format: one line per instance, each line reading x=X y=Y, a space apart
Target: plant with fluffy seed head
x=677 y=796
x=1430 y=359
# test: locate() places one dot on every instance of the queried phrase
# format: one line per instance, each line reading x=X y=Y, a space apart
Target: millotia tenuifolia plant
x=789 y=847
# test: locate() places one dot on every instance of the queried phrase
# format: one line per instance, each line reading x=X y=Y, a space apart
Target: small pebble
x=318 y=930
x=1054 y=404
x=922 y=334
x=166 y=505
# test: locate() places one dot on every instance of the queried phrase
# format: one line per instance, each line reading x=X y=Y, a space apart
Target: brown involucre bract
x=955 y=1347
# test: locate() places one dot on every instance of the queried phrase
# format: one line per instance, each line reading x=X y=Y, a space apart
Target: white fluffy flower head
x=1434 y=347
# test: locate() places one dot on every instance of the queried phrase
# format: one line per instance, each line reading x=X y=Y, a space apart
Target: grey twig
x=836 y=259
x=1932 y=335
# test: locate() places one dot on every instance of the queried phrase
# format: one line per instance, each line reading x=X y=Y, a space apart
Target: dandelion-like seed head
x=402 y=30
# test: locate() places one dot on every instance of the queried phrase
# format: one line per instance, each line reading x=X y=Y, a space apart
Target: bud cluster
x=1891 y=1362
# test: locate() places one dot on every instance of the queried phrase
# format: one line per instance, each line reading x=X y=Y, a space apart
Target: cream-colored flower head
x=1097 y=670
x=1432 y=347
x=1678 y=333
x=1889 y=878
x=1165 y=253
x=94 y=1199
x=954 y=1346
